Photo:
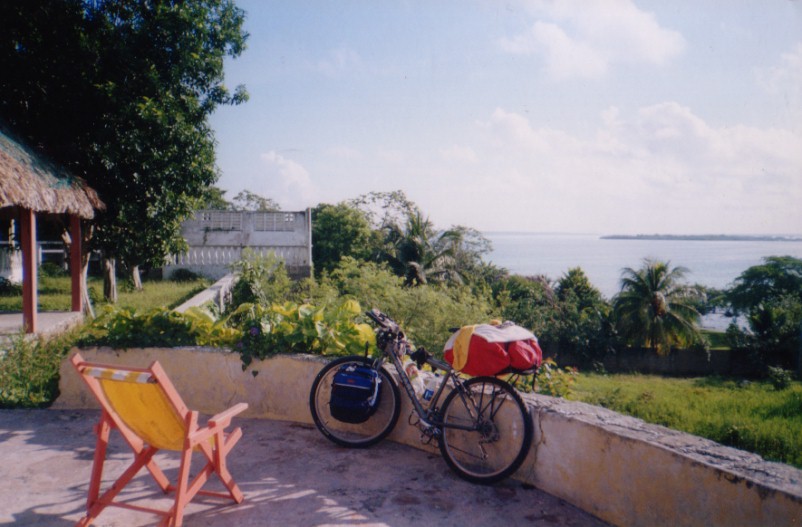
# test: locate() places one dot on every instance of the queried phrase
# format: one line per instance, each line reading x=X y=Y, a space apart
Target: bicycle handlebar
x=420 y=356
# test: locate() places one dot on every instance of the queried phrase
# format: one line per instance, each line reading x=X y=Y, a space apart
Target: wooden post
x=76 y=263
x=29 y=286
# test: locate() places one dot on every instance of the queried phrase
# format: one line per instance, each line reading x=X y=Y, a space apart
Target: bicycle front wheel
x=354 y=435
x=487 y=430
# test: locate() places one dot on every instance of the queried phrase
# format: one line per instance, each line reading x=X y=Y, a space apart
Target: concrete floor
x=48 y=323
x=290 y=474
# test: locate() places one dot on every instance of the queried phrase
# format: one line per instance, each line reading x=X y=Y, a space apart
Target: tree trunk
x=136 y=277
x=110 y=280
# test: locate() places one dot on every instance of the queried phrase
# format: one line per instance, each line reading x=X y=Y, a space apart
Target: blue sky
x=583 y=116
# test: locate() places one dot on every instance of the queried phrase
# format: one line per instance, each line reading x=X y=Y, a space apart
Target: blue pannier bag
x=355 y=393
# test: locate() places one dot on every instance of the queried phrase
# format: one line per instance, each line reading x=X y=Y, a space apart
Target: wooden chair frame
x=210 y=440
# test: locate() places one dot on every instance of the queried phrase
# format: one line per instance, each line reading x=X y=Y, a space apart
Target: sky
x=574 y=116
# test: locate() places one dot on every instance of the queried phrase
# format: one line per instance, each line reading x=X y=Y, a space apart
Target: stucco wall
x=618 y=468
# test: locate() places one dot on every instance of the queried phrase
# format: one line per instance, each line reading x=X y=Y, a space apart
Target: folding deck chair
x=144 y=406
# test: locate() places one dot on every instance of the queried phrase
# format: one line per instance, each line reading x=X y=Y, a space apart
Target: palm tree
x=654 y=307
x=421 y=254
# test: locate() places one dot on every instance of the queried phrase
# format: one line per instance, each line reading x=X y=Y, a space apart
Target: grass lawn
x=751 y=416
x=54 y=294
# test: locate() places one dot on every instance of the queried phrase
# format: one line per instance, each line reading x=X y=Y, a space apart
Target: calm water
x=711 y=263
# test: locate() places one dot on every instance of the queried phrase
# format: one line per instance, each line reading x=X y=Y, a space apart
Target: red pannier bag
x=486 y=349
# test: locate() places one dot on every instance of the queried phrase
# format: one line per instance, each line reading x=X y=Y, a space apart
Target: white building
x=217 y=238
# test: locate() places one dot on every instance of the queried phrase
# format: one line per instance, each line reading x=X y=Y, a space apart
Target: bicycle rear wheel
x=487 y=430
x=354 y=435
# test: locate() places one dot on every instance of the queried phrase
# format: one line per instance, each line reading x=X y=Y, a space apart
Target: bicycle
x=483 y=428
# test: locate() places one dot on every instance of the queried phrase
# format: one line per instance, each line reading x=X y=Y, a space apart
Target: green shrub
x=293 y=328
x=129 y=328
x=185 y=275
x=779 y=377
x=426 y=312
x=9 y=288
x=262 y=279
x=51 y=270
x=29 y=370
x=555 y=381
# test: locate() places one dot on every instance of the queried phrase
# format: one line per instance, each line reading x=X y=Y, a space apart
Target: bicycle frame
x=429 y=417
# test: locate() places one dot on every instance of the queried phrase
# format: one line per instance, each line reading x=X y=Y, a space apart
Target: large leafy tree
x=655 y=308
x=770 y=295
x=120 y=92
x=583 y=324
x=338 y=231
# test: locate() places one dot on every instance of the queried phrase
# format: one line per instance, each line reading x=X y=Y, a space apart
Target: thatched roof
x=29 y=181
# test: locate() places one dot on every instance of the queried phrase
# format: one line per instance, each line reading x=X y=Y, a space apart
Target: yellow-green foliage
x=753 y=416
x=304 y=328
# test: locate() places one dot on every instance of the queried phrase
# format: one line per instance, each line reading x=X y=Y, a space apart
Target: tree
x=654 y=307
x=583 y=325
x=777 y=277
x=251 y=201
x=213 y=198
x=770 y=295
x=119 y=91
x=419 y=253
x=338 y=231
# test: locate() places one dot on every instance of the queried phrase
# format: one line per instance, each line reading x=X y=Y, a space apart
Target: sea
x=712 y=263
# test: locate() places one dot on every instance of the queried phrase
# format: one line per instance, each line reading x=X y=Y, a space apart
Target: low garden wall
x=617 y=468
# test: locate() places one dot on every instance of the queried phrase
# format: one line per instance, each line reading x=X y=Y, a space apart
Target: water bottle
x=430 y=384
x=415 y=378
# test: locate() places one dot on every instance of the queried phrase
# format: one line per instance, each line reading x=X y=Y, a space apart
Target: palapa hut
x=30 y=185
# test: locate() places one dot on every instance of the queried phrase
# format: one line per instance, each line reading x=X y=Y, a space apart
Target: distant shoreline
x=704 y=237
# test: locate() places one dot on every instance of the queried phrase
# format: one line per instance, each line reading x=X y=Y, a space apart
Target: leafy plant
x=262 y=279
x=29 y=370
x=294 y=328
x=779 y=377
x=555 y=381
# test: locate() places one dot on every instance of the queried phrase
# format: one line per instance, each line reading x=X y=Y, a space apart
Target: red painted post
x=29 y=286
x=76 y=269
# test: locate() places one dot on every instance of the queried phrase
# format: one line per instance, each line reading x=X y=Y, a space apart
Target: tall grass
x=752 y=416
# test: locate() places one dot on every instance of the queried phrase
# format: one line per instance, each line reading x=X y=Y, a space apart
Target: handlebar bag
x=486 y=349
x=355 y=393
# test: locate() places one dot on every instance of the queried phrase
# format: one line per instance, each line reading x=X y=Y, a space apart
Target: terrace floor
x=290 y=475
x=48 y=323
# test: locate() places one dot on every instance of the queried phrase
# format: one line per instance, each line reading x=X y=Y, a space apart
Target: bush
x=9 y=288
x=262 y=280
x=779 y=378
x=128 y=328
x=426 y=312
x=293 y=328
x=555 y=381
x=29 y=370
x=51 y=270
x=185 y=275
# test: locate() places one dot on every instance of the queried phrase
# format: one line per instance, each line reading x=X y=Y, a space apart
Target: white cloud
x=661 y=168
x=286 y=180
x=784 y=82
x=458 y=154
x=584 y=39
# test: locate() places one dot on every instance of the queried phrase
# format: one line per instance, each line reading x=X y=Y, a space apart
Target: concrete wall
x=618 y=468
x=216 y=239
